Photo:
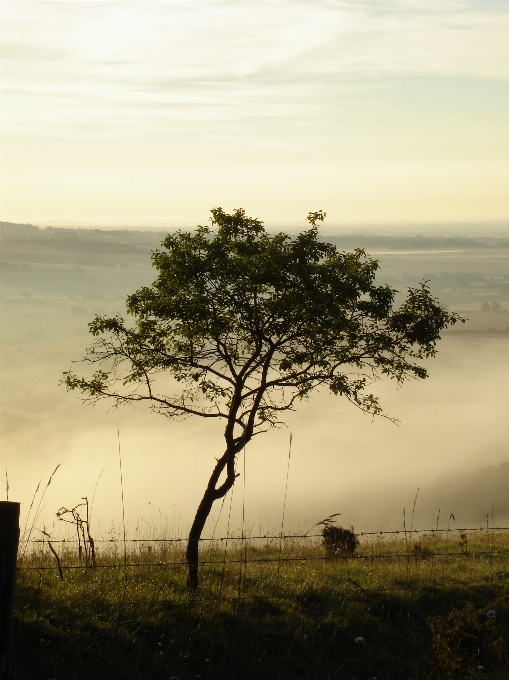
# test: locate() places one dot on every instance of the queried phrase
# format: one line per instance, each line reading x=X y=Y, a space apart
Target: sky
x=153 y=112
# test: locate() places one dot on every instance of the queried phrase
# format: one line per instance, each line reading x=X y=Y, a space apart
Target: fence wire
x=247 y=537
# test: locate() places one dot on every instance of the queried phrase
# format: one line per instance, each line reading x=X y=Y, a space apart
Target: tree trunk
x=211 y=494
x=194 y=537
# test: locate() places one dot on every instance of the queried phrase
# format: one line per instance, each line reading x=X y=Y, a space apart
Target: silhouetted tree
x=248 y=324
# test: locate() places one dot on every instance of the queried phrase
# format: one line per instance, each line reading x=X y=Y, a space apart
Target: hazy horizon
x=473 y=229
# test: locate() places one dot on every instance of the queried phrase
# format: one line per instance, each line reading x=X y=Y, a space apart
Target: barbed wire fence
x=281 y=542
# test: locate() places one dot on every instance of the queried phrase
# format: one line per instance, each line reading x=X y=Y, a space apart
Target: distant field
x=409 y=607
x=52 y=281
x=93 y=264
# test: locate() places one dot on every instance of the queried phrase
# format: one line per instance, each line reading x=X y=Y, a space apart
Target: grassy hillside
x=433 y=607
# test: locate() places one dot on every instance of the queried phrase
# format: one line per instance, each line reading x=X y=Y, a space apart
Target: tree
x=248 y=324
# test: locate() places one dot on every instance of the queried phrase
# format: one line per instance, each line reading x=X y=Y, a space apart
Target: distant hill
x=13 y=230
x=382 y=242
x=74 y=239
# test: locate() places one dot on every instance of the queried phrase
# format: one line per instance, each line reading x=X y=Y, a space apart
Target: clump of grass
x=339 y=542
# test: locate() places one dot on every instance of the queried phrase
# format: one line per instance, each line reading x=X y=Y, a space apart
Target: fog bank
x=451 y=444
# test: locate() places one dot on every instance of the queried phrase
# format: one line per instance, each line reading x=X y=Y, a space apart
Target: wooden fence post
x=9 y=539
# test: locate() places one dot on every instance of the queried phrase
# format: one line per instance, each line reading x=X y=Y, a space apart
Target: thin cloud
x=170 y=83
x=97 y=53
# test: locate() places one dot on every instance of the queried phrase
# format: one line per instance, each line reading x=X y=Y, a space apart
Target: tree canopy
x=248 y=323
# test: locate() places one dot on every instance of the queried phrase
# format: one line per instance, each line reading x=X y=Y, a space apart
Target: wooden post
x=9 y=539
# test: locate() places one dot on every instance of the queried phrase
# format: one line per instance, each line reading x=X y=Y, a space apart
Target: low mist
x=451 y=444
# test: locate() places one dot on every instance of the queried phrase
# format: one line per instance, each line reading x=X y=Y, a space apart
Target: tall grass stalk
x=122 y=495
x=286 y=493
x=25 y=537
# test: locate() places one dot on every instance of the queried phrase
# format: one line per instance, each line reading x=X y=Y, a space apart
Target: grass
x=402 y=609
